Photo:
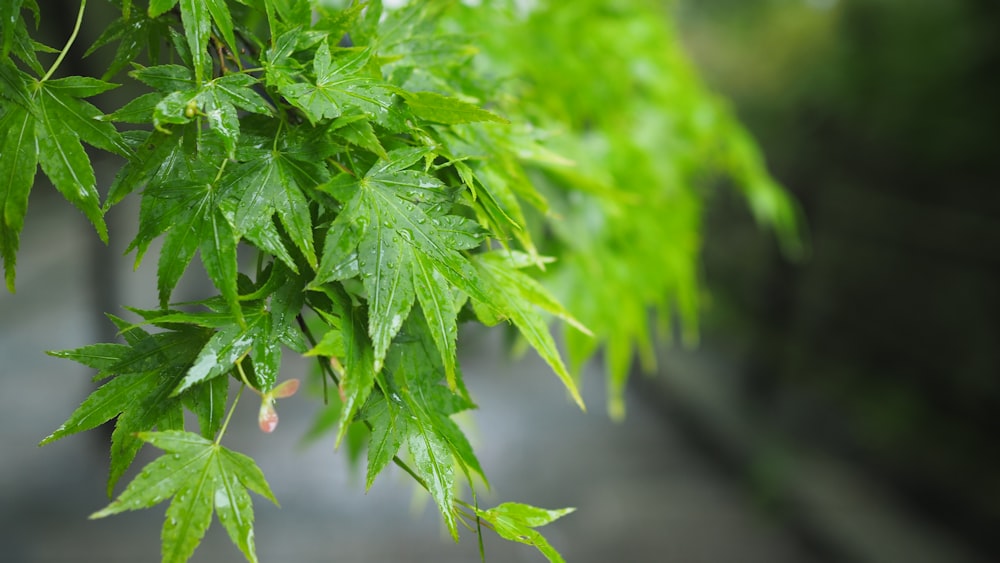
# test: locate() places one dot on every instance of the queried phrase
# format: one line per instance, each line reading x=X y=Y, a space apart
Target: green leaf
x=434 y=107
x=218 y=255
x=229 y=344
x=17 y=174
x=339 y=85
x=78 y=86
x=394 y=211
x=517 y=295
x=197 y=28
x=432 y=461
x=359 y=371
x=66 y=163
x=165 y=78
x=84 y=120
x=220 y=15
x=388 y=431
x=208 y=402
x=10 y=19
x=97 y=356
x=269 y=185
x=440 y=308
x=200 y=476
x=105 y=403
x=157 y=7
x=516 y=522
x=331 y=345
x=15 y=84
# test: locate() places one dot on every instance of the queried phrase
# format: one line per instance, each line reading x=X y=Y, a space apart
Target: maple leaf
x=403 y=240
x=521 y=299
x=43 y=123
x=201 y=476
x=340 y=84
x=140 y=395
x=517 y=522
x=414 y=411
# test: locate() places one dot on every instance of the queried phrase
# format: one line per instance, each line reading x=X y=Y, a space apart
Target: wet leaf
x=201 y=476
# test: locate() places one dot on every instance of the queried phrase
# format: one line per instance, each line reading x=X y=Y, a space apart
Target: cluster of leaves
x=638 y=138
x=350 y=147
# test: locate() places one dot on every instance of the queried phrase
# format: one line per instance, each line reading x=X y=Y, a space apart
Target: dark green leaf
x=340 y=84
x=157 y=7
x=222 y=19
x=66 y=164
x=208 y=401
x=84 y=120
x=17 y=174
x=359 y=371
x=165 y=78
x=227 y=346
x=197 y=28
x=79 y=86
x=10 y=19
x=107 y=402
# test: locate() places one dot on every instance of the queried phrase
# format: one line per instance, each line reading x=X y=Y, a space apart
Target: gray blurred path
x=642 y=495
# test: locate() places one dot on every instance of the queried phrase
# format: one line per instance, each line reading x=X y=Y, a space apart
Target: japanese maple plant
x=392 y=172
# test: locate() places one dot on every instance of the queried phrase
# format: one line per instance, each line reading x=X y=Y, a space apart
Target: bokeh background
x=837 y=409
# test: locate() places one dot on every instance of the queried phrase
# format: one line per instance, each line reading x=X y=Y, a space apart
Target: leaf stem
x=232 y=409
x=69 y=43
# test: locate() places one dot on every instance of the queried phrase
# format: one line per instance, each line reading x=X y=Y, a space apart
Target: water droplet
x=387 y=224
x=177 y=456
x=407 y=234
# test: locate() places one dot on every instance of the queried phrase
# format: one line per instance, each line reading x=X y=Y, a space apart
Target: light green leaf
x=432 y=461
x=331 y=345
x=516 y=296
x=97 y=356
x=434 y=107
x=269 y=185
x=516 y=522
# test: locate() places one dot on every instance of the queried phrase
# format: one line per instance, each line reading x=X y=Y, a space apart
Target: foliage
x=396 y=171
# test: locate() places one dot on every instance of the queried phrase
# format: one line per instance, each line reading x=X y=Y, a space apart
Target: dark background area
x=882 y=347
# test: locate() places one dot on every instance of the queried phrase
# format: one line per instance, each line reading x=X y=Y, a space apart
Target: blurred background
x=837 y=409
